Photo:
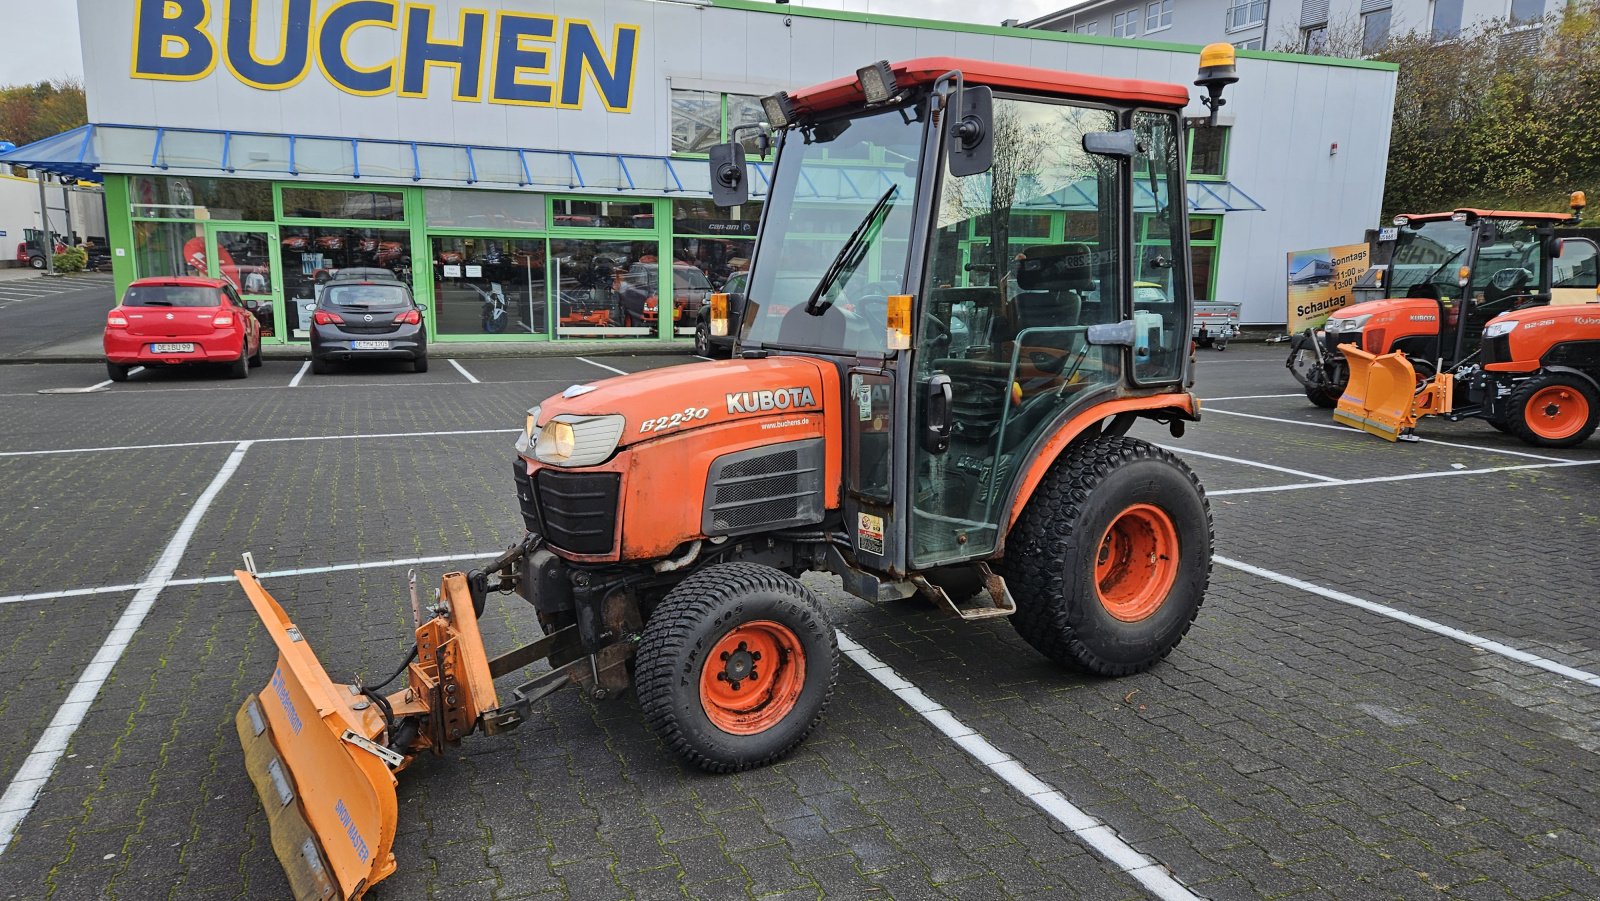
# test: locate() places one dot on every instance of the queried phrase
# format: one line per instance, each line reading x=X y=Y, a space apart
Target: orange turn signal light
x=719 y=315
x=1464 y=275
x=899 y=321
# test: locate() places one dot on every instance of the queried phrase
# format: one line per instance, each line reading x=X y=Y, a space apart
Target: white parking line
x=304 y=368
x=134 y=447
x=707 y=359
x=1191 y=452
x=1372 y=480
x=1347 y=429
x=602 y=365
x=463 y=370
x=36 y=768
x=271 y=574
x=1250 y=397
x=1092 y=832
x=1411 y=619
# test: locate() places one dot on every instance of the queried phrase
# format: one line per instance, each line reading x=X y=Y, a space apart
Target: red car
x=173 y=321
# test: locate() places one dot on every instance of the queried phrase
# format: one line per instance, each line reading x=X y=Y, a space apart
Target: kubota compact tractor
x=1448 y=274
x=923 y=405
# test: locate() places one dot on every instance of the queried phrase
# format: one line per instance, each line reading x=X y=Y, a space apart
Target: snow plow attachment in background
x=1383 y=397
x=323 y=755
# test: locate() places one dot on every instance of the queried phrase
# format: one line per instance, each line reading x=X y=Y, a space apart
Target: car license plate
x=172 y=348
x=369 y=345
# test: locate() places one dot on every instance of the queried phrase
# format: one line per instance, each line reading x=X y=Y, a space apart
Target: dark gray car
x=367 y=320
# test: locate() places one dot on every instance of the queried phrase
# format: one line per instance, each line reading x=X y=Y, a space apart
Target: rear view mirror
x=251 y=305
x=1122 y=143
x=729 y=186
x=1113 y=333
x=972 y=132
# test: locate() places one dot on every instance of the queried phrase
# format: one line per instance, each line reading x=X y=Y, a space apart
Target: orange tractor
x=892 y=420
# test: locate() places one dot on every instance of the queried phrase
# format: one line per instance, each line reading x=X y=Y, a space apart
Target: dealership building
x=535 y=169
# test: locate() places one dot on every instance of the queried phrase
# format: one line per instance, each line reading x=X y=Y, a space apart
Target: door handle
x=939 y=414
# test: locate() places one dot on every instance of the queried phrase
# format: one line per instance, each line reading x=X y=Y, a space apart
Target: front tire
x=702 y=341
x=736 y=666
x=1113 y=556
x=1556 y=409
x=1326 y=398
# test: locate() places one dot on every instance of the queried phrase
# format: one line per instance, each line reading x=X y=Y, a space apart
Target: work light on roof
x=1458 y=217
x=877 y=81
x=1402 y=221
x=779 y=109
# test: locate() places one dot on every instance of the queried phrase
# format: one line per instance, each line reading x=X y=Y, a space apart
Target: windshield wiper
x=852 y=253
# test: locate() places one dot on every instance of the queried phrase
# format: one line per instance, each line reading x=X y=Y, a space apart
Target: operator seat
x=1053 y=279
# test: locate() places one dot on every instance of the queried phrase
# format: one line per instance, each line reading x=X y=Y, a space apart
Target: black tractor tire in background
x=694 y=640
x=1113 y=521
x=116 y=372
x=1554 y=409
x=1326 y=398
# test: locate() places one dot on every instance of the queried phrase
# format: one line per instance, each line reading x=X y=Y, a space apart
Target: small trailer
x=1214 y=324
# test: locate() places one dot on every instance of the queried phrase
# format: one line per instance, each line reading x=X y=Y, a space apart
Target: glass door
x=243 y=254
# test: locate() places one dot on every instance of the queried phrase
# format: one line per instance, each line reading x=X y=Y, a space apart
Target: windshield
x=836 y=235
x=171 y=296
x=1422 y=252
x=389 y=296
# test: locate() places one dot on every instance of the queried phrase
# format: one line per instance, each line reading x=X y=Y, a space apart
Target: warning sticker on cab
x=869 y=533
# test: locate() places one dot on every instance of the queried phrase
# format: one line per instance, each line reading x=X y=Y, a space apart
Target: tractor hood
x=1585 y=317
x=1403 y=307
x=675 y=398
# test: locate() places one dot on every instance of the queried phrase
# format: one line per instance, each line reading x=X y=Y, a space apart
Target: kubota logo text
x=282 y=689
x=350 y=829
x=759 y=401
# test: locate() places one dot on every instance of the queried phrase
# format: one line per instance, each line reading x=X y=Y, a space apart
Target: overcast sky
x=43 y=41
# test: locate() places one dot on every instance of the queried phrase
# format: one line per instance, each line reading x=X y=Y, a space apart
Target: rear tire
x=1326 y=398
x=1556 y=409
x=320 y=366
x=420 y=364
x=116 y=372
x=1112 y=557
x=36 y=262
x=255 y=358
x=240 y=368
x=743 y=620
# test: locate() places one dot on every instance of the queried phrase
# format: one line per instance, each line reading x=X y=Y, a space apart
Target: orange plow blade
x=323 y=755
x=1383 y=397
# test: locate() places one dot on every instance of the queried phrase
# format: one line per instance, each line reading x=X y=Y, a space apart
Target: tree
x=30 y=113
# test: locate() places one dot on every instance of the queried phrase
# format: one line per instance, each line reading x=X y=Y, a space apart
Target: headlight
x=1333 y=326
x=569 y=440
x=1496 y=329
x=1353 y=323
x=525 y=440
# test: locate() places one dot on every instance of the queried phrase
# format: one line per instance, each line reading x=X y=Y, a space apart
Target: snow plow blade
x=1383 y=398
x=323 y=755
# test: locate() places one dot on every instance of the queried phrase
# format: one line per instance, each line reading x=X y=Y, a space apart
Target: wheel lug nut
x=755 y=655
x=741 y=646
x=726 y=655
x=735 y=685
x=722 y=677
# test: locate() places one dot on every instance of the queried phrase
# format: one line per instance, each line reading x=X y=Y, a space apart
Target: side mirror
x=972 y=132
x=729 y=186
x=251 y=305
x=423 y=307
x=1121 y=334
x=1124 y=143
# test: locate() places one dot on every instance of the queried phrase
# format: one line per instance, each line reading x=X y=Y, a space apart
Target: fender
x=1579 y=373
x=1182 y=405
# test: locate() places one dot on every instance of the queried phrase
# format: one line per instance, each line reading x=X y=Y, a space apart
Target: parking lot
x=1392 y=691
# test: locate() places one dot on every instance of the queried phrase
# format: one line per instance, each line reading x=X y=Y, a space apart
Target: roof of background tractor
x=925 y=70
x=1489 y=214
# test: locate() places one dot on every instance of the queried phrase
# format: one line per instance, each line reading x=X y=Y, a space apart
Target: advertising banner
x=1320 y=282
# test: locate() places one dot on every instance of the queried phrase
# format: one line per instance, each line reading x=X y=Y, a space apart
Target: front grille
x=526 y=501
x=1332 y=340
x=1497 y=349
x=578 y=510
x=765 y=488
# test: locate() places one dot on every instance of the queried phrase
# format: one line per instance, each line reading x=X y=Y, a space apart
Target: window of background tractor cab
x=172 y=296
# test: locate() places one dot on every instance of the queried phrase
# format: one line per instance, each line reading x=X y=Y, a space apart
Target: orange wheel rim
x=753 y=677
x=1556 y=412
x=1137 y=562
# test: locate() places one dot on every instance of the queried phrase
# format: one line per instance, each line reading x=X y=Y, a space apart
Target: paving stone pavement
x=1291 y=747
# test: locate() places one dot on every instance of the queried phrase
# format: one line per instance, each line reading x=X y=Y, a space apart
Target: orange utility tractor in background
x=893 y=419
x=1448 y=274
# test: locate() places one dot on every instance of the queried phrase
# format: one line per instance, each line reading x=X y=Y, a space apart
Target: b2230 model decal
x=662 y=423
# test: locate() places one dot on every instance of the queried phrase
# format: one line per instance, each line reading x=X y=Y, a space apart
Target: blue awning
x=70 y=153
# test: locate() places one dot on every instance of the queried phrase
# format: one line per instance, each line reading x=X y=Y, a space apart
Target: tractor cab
x=1447 y=275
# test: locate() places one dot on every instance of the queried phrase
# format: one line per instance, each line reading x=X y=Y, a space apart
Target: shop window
x=1204 y=234
x=489 y=286
x=164 y=197
x=576 y=213
x=1208 y=152
x=1125 y=25
x=605 y=288
x=327 y=203
x=312 y=254
x=493 y=210
x=701 y=119
x=1245 y=13
x=163 y=248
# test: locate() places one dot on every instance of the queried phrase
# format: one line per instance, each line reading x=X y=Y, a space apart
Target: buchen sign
x=517 y=58
x=1320 y=282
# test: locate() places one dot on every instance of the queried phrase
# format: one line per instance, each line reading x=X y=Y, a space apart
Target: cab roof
x=1491 y=214
x=925 y=70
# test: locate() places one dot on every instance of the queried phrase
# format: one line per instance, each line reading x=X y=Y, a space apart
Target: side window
x=233 y=298
x=1576 y=266
x=1160 y=278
